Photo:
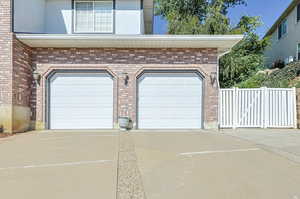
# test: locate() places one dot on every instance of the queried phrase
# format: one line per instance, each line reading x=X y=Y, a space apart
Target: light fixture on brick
x=126 y=79
x=213 y=78
x=36 y=77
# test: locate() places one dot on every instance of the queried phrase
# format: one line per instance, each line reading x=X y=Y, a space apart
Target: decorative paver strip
x=130 y=185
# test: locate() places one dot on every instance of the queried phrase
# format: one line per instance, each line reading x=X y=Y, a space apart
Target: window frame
x=298 y=13
x=298 y=52
x=280 y=29
x=74 y=17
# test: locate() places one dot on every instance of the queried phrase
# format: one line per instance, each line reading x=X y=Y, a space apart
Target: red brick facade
x=22 y=100
x=15 y=75
x=115 y=61
x=132 y=62
x=6 y=67
x=22 y=73
x=6 y=38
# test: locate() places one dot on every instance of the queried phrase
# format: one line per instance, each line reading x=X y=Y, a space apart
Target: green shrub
x=282 y=78
x=255 y=81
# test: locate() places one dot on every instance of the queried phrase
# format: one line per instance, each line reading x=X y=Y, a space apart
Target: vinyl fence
x=258 y=108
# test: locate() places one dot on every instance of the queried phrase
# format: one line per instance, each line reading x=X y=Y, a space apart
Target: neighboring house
x=285 y=36
x=82 y=64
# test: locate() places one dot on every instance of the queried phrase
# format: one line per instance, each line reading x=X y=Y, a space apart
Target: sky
x=268 y=10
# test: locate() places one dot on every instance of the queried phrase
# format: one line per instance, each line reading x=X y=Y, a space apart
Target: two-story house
x=285 y=36
x=82 y=64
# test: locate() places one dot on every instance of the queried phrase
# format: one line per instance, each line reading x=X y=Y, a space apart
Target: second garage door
x=81 y=101
x=170 y=101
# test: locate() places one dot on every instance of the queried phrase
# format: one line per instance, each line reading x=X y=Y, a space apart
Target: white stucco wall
x=287 y=45
x=29 y=16
x=128 y=17
x=55 y=16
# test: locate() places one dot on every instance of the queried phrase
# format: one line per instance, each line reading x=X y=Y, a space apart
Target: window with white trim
x=282 y=28
x=93 y=16
x=298 y=12
x=298 y=52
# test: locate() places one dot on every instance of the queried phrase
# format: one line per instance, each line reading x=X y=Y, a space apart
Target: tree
x=246 y=58
x=196 y=8
x=215 y=22
x=209 y=17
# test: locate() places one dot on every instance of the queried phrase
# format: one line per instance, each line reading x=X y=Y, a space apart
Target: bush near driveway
x=282 y=78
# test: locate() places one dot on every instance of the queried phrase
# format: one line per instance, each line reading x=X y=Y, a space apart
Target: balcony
x=128 y=17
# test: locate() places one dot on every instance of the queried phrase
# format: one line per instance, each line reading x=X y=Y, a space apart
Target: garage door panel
x=165 y=94
x=170 y=100
x=178 y=124
x=148 y=87
x=187 y=109
x=170 y=115
x=90 y=107
x=79 y=94
x=82 y=125
x=78 y=113
x=69 y=77
x=82 y=89
x=81 y=101
x=85 y=121
x=185 y=77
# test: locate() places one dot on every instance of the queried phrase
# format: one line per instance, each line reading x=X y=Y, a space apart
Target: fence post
x=265 y=107
x=295 y=107
x=234 y=108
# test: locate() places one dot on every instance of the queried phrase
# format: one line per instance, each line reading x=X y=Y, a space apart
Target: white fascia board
x=221 y=42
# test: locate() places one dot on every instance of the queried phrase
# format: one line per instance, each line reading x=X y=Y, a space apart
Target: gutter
x=222 y=43
x=129 y=37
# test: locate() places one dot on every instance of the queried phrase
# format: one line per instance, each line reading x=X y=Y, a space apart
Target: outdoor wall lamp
x=36 y=77
x=126 y=78
x=213 y=78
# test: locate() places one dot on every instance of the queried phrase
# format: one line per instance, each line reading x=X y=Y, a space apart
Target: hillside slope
x=281 y=78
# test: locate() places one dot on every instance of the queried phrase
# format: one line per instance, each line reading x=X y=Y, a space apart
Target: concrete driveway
x=152 y=165
x=59 y=165
x=285 y=142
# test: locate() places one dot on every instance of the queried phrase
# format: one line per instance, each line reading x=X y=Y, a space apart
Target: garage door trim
x=70 y=71
x=179 y=71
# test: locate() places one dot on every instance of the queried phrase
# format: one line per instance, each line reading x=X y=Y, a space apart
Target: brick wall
x=18 y=93
x=124 y=56
x=132 y=62
x=6 y=38
x=15 y=75
x=22 y=73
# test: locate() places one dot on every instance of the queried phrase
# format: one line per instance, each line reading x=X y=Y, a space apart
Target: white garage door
x=81 y=101
x=170 y=101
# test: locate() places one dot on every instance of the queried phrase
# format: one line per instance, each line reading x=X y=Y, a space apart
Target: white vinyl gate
x=260 y=108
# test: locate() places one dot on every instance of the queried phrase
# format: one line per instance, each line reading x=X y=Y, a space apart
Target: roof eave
x=221 y=42
x=287 y=11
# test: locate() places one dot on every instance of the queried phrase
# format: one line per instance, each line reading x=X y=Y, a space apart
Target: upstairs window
x=298 y=53
x=93 y=16
x=282 y=29
x=298 y=12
